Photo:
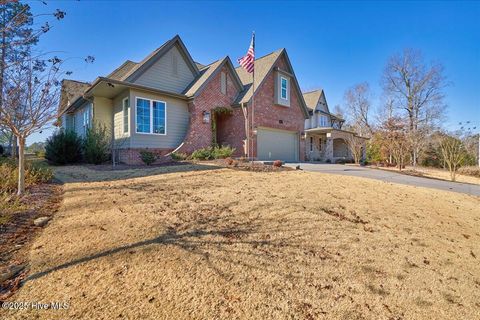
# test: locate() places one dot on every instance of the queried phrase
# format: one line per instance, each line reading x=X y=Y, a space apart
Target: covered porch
x=327 y=145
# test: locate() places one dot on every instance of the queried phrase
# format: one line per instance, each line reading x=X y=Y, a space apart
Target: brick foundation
x=132 y=156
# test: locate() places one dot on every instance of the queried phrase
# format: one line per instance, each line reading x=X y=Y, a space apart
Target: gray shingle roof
x=71 y=90
x=205 y=74
x=122 y=71
x=311 y=98
x=262 y=66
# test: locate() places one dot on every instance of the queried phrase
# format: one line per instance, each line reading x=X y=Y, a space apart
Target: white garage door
x=277 y=145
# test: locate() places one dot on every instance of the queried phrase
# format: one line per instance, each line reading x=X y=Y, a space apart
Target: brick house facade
x=169 y=103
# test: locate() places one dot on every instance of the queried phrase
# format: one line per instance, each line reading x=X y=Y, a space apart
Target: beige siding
x=122 y=140
x=103 y=112
x=176 y=123
x=170 y=73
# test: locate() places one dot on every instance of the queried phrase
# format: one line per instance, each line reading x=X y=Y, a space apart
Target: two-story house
x=325 y=139
x=168 y=102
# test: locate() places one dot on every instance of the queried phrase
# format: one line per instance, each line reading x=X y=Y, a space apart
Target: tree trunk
x=21 y=166
x=14 y=147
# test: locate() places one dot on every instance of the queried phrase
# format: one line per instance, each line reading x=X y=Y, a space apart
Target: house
x=168 y=102
x=326 y=141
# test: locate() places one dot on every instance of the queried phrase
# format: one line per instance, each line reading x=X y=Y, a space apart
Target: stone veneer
x=132 y=156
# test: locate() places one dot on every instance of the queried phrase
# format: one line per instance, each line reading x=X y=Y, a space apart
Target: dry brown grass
x=436 y=174
x=225 y=244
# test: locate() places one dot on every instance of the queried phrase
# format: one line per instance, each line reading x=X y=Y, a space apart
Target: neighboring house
x=167 y=102
x=326 y=141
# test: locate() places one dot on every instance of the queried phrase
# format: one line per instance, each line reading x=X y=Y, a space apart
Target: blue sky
x=332 y=45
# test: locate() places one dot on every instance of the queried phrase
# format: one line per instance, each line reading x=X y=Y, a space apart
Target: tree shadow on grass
x=254 y=244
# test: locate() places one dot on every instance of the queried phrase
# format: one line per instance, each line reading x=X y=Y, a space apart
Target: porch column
x=329 y=149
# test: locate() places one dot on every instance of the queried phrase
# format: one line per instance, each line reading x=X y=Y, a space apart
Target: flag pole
x=253 y=100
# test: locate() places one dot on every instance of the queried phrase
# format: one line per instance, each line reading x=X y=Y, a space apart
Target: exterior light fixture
x=303 y=135
x=206 y=117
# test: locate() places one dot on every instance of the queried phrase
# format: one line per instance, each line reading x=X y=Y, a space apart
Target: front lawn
x=197 y=242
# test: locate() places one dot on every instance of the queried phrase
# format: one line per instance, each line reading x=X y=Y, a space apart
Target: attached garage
x=273 y=144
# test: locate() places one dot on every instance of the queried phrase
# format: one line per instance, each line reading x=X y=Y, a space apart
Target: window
x=223 y=82
x=158 y=117
x=86 y=119
x=283 y=88
x=125 y=108
x=323 y=121
x=311 y=143
x=151 y=116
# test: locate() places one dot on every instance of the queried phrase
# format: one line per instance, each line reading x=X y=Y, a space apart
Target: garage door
x=277 y=145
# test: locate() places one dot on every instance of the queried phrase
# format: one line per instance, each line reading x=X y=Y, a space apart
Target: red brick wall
x=132 y=156
x=267 y=114
x=199 y=134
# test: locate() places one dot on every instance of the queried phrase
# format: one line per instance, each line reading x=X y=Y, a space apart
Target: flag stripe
x=248 y=61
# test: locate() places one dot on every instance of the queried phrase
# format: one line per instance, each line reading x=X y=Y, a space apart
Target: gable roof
x=311 y=98
x=208 y=72
x=123 y=70
x=71 y=91
x=149 y=60
x=263 y=67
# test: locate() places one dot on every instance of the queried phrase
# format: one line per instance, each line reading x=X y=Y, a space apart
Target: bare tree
x=355 y=145
x=453 y=152
x=395 y=139
x=358 y=107
x=417 y=90
x=31 y=91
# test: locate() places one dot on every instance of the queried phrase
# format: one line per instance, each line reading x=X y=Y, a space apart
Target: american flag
x=248 y=61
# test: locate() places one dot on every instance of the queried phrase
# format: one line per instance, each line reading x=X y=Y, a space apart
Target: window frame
x=86 y=119
x=223 y=82
x=281 y=88
x=151 y=117
x=128 y=115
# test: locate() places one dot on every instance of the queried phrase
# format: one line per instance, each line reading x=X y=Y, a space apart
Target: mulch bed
x=248 y=166
x=17 y=234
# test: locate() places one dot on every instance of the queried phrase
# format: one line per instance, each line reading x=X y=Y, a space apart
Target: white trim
x=128 y=115
x=151 y=117
x=286 y=88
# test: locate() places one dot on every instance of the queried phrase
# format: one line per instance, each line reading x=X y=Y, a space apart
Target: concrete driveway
x=389 y=176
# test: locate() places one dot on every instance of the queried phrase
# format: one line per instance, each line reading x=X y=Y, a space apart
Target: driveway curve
x=390 y=176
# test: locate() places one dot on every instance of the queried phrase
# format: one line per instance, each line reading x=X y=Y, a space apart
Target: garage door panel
x=277 y=145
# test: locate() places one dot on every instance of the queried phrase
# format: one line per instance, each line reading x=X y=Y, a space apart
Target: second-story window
x=283 y=88
x=223 y=82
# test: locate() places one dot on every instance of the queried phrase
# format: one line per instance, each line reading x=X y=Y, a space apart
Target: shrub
x=328 y=161
x=34 y=174
x=179 y=156
x=96 y=144
x=202 y=154
x=277 y=163
x=40 y=154
x=222 y=152
x=470 y=171
x=147 y=157
x=63 y=147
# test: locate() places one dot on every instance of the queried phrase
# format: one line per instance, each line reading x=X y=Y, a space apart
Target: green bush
x=202 y=154
x=147 y=157
x=96 y=144
x=222 y=152
x=34 y=174
x=179 y=156
x=212 y=153
x=63 y=147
